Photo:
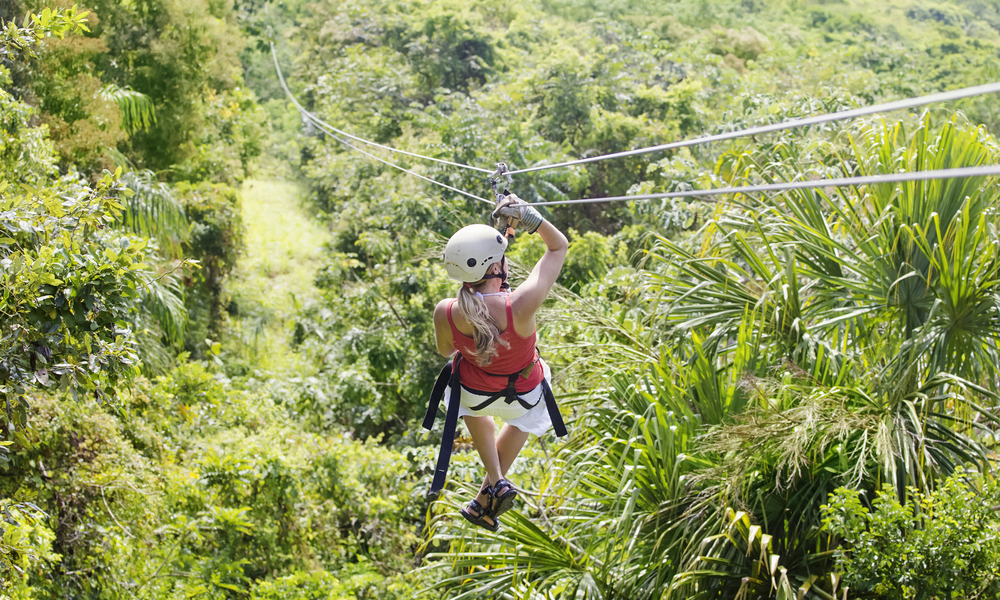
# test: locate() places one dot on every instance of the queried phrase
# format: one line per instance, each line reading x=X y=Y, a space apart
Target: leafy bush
x=83 y=123
x=200 y=487
x=589 y=257
x=99 y=497
x=303 y=586
x=940 y=544
x=26 y=153
x=178 y=53
x=746 y=44
x=27 y=548
x=69 y=286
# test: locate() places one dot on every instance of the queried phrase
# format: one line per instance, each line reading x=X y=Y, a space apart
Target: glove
x=515 y=208
x=503 y=223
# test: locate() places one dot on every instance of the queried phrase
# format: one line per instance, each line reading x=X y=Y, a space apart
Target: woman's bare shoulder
x=441 y=310
x=518 y=306
x=524 y=318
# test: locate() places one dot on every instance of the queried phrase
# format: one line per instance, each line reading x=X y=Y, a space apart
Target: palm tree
x=152 y=210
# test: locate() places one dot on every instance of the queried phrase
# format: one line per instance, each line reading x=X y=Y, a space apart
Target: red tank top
x=519 y=355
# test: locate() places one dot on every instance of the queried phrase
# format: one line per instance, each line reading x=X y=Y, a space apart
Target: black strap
x=509 y=394
x=436 y=395
x=550 y=404
x=450 y=423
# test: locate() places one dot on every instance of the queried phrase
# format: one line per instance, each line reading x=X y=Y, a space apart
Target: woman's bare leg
x=508 y=446
x=483 y=432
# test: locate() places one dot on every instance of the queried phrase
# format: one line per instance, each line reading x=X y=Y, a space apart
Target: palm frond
x=137 y=109
x=163 y=300
x=153 y=211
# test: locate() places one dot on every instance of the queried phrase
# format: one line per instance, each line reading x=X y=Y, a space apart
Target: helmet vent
x=471 y=262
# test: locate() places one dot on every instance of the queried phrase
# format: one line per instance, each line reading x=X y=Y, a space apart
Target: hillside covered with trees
x=216 y=335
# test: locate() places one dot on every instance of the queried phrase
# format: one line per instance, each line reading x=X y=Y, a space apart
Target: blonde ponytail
x=485 y=331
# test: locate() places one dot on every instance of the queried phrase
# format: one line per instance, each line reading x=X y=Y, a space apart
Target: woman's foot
x=480 y=515
x=503 y=495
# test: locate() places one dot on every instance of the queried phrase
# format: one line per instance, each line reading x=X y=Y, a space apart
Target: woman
x=493 y=331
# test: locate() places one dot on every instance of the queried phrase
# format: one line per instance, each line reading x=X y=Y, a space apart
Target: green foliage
x=748 y=44
x=325 y=501
x=26 y=549
x=82 y=114
x=313 y=586
x=163 y=299
x=216 y=225
x=182 y=54
x=859 y=405
x=26 y=154
x=724 y=378
x=941 y=544
x=98 y=497
x=215 y=240
x=202 y=488
x=68 y=288
x=589 y=257
x=79 y=298
x=144 y=79
x=59 y=22
x=380 y=358
x=152 y=210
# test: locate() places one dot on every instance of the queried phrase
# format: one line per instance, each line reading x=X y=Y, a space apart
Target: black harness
x=449 y=379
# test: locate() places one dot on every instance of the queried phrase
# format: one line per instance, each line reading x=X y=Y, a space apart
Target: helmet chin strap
x=502 y=275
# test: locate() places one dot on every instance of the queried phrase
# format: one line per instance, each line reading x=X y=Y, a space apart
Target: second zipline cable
x=962 y=172
x=327 y=129
x=989 y=88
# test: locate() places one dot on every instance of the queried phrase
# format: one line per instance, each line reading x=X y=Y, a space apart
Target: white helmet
x=472 y=250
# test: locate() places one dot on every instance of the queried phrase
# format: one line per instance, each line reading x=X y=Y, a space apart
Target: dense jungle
x=216 y=334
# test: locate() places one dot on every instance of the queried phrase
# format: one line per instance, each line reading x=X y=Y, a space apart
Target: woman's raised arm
x=530 y=295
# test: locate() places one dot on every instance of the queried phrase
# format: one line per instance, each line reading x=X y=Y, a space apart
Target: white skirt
x=535 y=420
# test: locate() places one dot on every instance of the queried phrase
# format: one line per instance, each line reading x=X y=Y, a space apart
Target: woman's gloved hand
x=503 y=222
x=515 y=208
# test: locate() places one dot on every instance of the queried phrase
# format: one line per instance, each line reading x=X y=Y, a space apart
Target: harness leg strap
x=554 y=415
x=439 y=386
x=448 y=435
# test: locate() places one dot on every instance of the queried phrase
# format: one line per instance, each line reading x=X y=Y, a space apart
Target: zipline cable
x=961 y=172
x=327 y=129
x=434 y=181
x=989 y=88
x=364 y=141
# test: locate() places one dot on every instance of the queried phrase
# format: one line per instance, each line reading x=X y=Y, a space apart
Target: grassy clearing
x=274 y=277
